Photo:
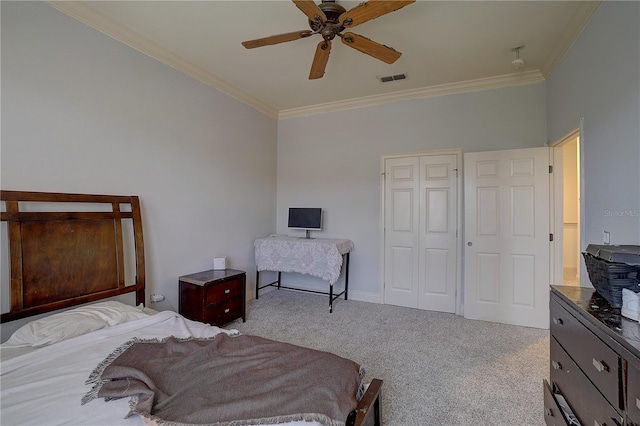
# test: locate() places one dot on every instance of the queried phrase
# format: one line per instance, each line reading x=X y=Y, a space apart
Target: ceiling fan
x=329 y=19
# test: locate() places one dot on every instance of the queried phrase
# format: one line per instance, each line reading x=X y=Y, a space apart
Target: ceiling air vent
x=395 y=77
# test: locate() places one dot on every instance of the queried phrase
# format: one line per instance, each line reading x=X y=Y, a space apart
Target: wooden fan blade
x=320 y=60
x=370 y=10
x=370 y=47
x=311 y=9
x=275 y=39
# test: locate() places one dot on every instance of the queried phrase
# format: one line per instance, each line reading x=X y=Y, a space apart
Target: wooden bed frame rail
x=59 y=259
x=369 y=410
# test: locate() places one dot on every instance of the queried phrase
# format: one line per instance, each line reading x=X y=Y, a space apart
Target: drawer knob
x=227 y=291
x=600 y=366
x=556 y=365
x=226 y=311
x=558 y=321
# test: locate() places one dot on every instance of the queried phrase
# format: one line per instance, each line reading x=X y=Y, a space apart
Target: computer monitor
x=307 y=218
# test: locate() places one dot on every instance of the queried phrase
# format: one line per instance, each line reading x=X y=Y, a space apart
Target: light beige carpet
x=438 y=368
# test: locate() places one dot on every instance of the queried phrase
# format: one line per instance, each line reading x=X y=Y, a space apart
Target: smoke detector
x=517 y=63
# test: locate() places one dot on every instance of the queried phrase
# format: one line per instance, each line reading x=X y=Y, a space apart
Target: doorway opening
x=567 y=215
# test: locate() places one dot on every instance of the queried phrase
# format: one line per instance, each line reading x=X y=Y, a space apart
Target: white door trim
x=556 y=206
x=459 y=221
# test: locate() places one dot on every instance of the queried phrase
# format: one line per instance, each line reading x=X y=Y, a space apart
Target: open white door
x=507 y=236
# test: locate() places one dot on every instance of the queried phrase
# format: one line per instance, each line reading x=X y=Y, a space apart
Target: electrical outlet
x=606 y=237
x=157 y=298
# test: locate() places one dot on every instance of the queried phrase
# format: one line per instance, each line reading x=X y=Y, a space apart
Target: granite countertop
x=597 y=309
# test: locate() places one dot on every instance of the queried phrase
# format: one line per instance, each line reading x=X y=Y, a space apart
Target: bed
x=94 y=360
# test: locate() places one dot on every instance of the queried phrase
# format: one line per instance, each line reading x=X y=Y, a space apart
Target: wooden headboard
x=68 y=249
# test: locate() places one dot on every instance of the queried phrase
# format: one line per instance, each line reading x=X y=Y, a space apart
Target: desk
x=319 y=257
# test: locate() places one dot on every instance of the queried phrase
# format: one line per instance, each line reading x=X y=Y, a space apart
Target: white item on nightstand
x=220 y=263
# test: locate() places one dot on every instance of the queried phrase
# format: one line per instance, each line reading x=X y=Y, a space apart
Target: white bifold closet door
x=420 y=248
x=506 y=273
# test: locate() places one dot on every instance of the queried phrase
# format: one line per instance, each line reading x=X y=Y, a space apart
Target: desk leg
x=257 y=282
x=279 y=275
x=346 y=277
x=330 y=298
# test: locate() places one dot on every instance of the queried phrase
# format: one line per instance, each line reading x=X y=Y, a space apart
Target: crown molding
x=516 y=79
x=85 y=13
x=572 y=30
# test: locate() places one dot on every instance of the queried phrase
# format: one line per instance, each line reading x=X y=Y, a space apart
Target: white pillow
x=74 y=322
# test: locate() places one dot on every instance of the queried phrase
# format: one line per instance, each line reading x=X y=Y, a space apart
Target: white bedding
x=44 y=386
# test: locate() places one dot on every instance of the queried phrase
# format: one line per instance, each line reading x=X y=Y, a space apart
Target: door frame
x=459 y=220
x=556 y=206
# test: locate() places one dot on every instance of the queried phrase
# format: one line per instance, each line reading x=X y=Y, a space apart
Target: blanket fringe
x=94 y=378
x=150 y=419
x=362 y=388
x=324 y=420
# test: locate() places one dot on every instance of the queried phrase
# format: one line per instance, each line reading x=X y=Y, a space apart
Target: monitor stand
x=308 y=235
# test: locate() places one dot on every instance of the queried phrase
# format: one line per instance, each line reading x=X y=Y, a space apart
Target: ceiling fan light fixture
x=329 y=19
x=517 y=63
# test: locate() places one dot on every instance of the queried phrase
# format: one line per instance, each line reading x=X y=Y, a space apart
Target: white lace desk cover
x=320 y=257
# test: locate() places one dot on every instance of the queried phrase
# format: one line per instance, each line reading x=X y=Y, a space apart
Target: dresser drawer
x=633 y=394
x=224 y=312
x=223 y=291
x=599 y=362
x=552 y=412
x=590 y=407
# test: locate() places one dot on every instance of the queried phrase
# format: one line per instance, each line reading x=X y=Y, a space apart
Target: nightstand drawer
x=585 y=401
x=599 y=362
x=224 y=312
x=223 y=291
x=215 y=297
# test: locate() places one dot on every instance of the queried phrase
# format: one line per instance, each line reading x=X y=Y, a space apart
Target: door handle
x=556 y=365
x=469 y=243
x=558 y=321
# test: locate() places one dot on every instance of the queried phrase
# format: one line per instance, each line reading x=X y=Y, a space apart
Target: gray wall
x=84 y=113
x=599 y=80
x=333 y=160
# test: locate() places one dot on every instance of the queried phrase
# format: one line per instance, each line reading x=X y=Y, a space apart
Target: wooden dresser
x=215 y=297
x=594 y=360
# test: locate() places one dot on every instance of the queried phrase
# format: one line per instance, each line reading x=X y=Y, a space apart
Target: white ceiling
x=447 y=47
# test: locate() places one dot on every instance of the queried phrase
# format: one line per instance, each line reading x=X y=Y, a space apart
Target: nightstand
x=215 y=297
